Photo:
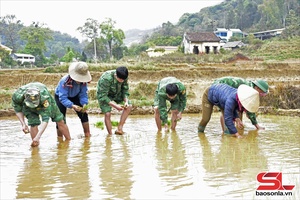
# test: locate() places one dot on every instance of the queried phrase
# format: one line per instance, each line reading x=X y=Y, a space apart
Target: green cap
x=32 y=97
x=263 y=85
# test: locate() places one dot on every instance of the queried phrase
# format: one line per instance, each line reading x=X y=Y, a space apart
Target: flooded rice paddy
x=143 y=164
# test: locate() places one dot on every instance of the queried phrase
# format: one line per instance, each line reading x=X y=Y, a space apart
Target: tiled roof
x=202 y=37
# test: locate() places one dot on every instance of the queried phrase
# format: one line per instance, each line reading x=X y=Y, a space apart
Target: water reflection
x=235 y=162
x=171 y=159
x=145 y=165
x=59 y=175
x=115 y=169
x=74 y=170
x=34 y=182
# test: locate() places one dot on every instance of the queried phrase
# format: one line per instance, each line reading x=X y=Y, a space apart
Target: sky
x=66 y=15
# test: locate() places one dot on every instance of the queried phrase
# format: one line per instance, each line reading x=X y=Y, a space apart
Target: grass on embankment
x=276 y=49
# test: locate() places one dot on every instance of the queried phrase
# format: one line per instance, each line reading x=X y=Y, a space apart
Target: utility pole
x=224 y=19
x=95 y=49
x=212 y=24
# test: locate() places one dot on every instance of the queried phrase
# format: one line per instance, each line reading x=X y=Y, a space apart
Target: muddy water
x=145 y=165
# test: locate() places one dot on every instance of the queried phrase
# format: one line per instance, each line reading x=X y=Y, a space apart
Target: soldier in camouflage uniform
x=112 y=90
x=32 y=101
x=259 y=85
x=169 y=89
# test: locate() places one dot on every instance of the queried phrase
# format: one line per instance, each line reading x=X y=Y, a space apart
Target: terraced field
x=283 y=78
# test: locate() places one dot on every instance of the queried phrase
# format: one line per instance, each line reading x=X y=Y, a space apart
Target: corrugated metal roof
x=233 y=44
x=23 y=54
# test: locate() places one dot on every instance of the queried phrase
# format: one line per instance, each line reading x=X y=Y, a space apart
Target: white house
x=23 y=57
x=226 y=34
x=201 y=42
x=161 y=50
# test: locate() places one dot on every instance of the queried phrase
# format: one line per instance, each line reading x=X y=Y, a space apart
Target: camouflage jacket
x=47 y=102
x=236 y=82
x=162 y=97
x=108 y=87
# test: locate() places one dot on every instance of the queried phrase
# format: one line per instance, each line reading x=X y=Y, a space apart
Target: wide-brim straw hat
x=248 y=97
x=79 y=72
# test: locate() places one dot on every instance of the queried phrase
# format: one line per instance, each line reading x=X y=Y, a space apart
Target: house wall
x=151 y=52
x=189 y=47
x=155 y=54
x=226 y=34
x=23 y=58
x=211 y=46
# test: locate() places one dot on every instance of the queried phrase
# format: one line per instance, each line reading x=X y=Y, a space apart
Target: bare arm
x=116 y=106
x=21 y=118
x=36 y=139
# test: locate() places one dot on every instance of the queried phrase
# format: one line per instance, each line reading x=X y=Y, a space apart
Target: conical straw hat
x=248 y=97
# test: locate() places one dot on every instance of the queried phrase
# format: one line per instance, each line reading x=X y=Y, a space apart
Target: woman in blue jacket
x=230 y=100
x=71 y=92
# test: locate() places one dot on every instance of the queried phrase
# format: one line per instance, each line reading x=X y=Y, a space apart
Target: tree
x=5 y=58
x=36 y=37
x=292 y=25
x=57 y=49
x=159 y=40
x=3 y=53
x=69 y=56
x=83 y=57
x=101 y=49
x=136 y=49
x=60 y=42
x=111 y=35
x=53 y=59
x=90 y=30
x=240 y=13
x=9 y=28
x=251 y=14
x=272 y=15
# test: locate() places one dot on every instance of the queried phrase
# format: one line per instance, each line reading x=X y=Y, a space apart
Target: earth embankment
x=283 y=79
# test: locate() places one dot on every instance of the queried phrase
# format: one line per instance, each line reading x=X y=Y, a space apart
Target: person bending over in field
x=32 y=101
x=72 y=92
x=113 y=92
x=259 y=85
x=172 y=90
x=230 y=101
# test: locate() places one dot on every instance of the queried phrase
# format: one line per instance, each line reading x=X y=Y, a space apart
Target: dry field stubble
x=283 y=78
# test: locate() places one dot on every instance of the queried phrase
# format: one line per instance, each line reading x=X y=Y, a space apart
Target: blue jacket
x=68 y=88
x=225 y=97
